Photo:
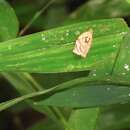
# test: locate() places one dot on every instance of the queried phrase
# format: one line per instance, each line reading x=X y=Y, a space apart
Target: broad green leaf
x=90 y=11
x=95 y=9
x=118 y=71
x=8 y=21
x=44 y=52
x=82 y=119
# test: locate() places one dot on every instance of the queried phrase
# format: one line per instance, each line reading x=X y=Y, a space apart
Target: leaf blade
x=45 y=57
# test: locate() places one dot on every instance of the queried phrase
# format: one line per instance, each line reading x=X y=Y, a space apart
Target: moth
x=83 y=43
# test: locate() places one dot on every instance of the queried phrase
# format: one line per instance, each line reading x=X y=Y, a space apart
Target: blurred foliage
x=61 y=12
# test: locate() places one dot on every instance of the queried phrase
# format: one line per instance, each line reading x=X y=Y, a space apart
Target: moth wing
x=76 y=49
x=83 y=44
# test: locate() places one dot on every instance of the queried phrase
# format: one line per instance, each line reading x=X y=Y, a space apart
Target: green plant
x=88 y=90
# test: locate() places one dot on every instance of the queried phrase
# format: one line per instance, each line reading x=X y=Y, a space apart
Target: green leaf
x=79 y=93
x=45 y=52
x=8 y=21
x=24 y=84
x=7 y=104
x=115 y=117
x=88 y=96
x=122 y=65
x=94 y=9
x=83 y=119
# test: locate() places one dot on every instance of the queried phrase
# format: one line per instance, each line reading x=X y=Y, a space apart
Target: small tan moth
x=83 y=43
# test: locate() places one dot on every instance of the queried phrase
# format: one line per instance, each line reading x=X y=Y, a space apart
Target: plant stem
x=37 y=14
x=33 y=82
x=62 y=118
x=55 y=109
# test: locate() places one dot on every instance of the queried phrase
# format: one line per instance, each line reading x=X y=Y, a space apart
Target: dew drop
x=106 y=73
x=62 y=38
x=77 y=32
x=67 y=31
x=123 y=73
x=94 y=74
x=67 y=34
x=35 y=103
x=114 y=46
x=123 y=33
x=9 y=47
x=42 y=35
x=126 y=67
x=43 y=38
x=108 y=89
